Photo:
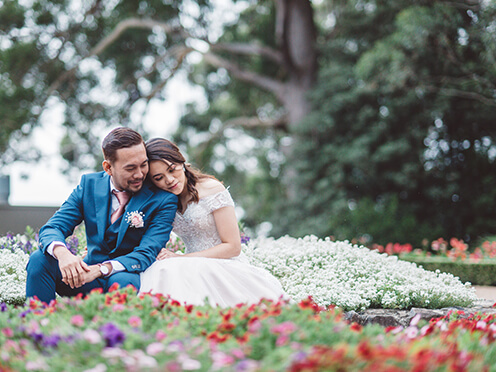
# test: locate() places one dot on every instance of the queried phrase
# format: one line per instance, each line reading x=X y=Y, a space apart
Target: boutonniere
x=135 y=219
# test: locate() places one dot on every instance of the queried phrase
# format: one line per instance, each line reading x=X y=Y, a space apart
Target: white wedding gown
x=200 y=280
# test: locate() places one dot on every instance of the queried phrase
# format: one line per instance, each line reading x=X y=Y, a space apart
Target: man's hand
x=92 y=274
x=72 y=267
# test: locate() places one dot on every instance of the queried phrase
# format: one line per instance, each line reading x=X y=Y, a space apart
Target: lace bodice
x=196 y=226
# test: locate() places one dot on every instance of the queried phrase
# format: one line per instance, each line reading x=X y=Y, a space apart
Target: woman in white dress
x=213 y=269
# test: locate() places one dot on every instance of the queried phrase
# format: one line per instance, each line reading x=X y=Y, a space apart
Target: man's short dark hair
x=119 y=138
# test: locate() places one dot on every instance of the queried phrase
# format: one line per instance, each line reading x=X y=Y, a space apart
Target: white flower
x=135 y=219
x=13 y=276
x=353 y=277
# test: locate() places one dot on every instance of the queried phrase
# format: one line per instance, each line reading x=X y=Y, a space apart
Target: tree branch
x=271 y=85
x=112 y=37
x=181 y=53
x=252 y=49
x=463 y=94
x=255 y=122
x=245 y=122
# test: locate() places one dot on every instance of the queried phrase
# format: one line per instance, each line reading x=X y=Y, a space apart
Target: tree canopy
x=358 y=119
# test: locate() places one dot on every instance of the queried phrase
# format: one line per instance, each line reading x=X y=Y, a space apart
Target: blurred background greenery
x=372 y=120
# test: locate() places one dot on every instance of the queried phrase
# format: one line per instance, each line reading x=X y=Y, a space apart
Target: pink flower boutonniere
x=135 y=219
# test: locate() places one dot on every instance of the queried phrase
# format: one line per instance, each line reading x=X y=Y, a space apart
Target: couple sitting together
x=145 y=191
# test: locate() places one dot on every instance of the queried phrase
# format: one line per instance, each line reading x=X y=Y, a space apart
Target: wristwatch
x=104 y=270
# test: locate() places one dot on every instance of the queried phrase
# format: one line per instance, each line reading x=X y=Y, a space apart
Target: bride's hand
x=165 y=253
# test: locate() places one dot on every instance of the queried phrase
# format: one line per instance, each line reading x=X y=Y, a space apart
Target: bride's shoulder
x=209 y=186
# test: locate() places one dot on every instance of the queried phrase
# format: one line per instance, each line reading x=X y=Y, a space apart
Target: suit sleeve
x=62 y=223
x=155 y=238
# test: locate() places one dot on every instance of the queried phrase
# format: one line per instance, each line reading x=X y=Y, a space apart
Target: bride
x=213 y=269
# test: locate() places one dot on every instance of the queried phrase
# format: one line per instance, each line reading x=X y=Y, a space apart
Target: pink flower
x=238 y=353
x=254 y=326
x=282 y=340
x=415 y=320
x=411 y=332
x=134 y=321
x=8 y=332
x=221 y=359
x=155 y=348
x=92 y=336
x=284 y=328
x=160 y=335
x=118 y=307
x=77 y=320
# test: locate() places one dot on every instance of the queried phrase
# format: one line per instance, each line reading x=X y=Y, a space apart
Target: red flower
x=189 y=308
x=34 y=303
x=243 y=339
x=365 y=350
x=356 y=327
x=114 y=287
x=227 y=316
x=216 y=337
x=226 y=327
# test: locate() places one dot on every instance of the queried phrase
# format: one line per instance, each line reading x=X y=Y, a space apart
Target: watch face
x=104 y=270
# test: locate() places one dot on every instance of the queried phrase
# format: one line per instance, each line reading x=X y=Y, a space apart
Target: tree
x=403 y=126
x=105 y=59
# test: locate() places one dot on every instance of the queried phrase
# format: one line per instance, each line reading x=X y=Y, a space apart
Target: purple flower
x=51 y=341
x=244 y=238
x=24 y=313
x=3 y=307
x=112 y=334
x=72 y=244
x=37 y=337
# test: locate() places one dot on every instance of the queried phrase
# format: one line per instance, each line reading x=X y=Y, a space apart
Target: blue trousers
x=45 y=278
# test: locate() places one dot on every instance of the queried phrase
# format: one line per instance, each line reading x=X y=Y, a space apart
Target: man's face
x=129 y=170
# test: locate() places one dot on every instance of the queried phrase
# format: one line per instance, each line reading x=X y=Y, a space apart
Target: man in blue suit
x=127 y=222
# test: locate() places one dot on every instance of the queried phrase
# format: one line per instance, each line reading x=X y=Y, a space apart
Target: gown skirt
x=213 y=281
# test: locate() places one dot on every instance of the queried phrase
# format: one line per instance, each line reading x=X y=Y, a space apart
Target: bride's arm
x=227 y=227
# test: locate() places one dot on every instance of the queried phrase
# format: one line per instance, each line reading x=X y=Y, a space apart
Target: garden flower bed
x=475 y=265
x=333 y=273
x=121 y=331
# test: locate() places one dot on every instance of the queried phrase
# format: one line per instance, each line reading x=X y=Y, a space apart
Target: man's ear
x=107 y=167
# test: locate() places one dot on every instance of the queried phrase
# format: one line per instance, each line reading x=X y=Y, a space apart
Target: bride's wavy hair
x=162 y=149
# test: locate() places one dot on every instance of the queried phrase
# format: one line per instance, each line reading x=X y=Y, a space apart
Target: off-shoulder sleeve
x=220 y=200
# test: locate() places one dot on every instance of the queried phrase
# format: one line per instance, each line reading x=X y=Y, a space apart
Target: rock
x=395 y=318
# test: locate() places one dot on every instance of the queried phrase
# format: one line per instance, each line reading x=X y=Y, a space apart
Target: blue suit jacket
x=136 y=248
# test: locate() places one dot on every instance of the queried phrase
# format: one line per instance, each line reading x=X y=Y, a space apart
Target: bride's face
x=168 y=176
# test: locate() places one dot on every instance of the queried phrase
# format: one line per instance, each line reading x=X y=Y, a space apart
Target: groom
x=127 y=222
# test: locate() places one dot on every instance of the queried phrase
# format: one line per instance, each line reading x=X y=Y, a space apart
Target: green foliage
x=399 y=146
x=477 y=273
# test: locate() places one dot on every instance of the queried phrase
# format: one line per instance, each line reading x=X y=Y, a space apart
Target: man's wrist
x=105 y=269
x=59 y=250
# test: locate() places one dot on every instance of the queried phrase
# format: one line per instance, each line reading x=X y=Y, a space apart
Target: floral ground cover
x=121 y=331
x=355 y=277
x=333 y=273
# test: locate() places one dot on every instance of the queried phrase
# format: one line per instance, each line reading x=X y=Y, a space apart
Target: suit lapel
x=134 y=205
x=102 y=204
